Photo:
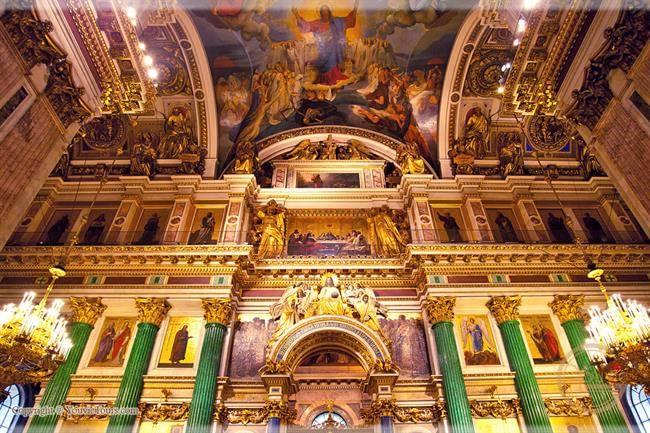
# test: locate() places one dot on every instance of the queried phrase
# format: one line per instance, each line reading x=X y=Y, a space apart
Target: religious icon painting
x=181 y=341
x=327 y=180
x=95 y=230
x=542 y=340
x=151 y=226
x=504 y=225
x=555 y=221
x=449 y=225
x=206 y=226
x=572 y=424
x=593 y=225
x=113 y=342
x=477 y=340
x=58 y=227
x=315 y=235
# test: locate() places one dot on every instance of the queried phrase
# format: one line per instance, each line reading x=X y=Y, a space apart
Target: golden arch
x=328 y=331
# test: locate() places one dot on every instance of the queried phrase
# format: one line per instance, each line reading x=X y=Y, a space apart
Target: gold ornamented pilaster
x=440 y=308
x=568 y=307
x=86 y=310
x=152 y=310
x=217 y=310
x=569 y=406
x=504 y=308
x=280 y=409
x=494 y=408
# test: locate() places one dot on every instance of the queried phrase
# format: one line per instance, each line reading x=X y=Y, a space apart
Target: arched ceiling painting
x=286 y=64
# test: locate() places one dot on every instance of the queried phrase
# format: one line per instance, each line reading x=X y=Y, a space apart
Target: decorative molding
x=496 y=408
x=569 y=407
x=159 y=412
x=388 y=407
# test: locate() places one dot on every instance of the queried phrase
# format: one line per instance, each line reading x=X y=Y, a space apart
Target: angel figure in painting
x=409 y=160
x=286 y=310
x=329 y=33
x=271 y=225
x=384 y=234
x=233 y=97
x=478 y=347
x=177 y=137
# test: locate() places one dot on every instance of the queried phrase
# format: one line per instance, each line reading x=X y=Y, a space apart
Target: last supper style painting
x=279 y=65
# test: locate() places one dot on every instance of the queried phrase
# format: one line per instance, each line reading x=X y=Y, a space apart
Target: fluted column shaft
x=441 y=315
x=85 y=312
x=506 y=311
x=151 y=313
x=568 y=308
x=58 y=387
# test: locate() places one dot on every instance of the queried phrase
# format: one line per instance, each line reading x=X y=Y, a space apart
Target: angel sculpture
x=409 y=159
x=357 y=150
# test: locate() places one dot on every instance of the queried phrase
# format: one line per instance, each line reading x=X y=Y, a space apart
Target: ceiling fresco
x=285 y=64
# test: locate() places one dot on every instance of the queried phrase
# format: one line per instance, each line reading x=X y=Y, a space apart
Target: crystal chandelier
x=33 y=338
x=620 y=338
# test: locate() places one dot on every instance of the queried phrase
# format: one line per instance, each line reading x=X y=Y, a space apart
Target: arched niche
x=330 y=332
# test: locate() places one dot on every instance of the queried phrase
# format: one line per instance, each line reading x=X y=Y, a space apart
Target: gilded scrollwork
x=569 y=406
x=243 y=416
x=217 y=310
x=160 y=412
x=494 y=408
x=152 y=310
x=440 y=308
x=388 y=407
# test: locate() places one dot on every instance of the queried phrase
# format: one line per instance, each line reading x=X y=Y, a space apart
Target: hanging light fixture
x=619 y=342
x=33 y=338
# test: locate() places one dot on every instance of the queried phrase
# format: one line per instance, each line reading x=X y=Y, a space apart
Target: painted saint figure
x=95 y=230
x=105 y=344
x=451 y=227
x=595 y=231
x=478 y=349
x=546 y=342
x=149 y=231
x=204 y=234
x=179 y=347
x=506 y=229
x=120 y=343
x=558 y=229
x=329 y=32
x=57 y=230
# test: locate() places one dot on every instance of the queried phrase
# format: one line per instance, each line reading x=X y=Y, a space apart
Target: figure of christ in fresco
x=478 y=348
x=329 y=32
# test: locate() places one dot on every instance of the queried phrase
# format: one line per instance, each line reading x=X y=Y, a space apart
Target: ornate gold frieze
x=343 y=130
x=86 y=310
x=494 y=408
x=280 y=409
x=569 y=406
x=159 y=412
x=276 y=367
x=504 y=308
x=388 y=407
x=568 y=307
x=440 y=308
x=241 y=415
x=217 y=310
x=152 y=310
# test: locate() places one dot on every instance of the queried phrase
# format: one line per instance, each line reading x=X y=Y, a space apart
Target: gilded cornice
x=152 y=310
x=568 y=307
x=440 y=308
x=217 y=310
x=344 y=130
x=86 y=310
x=504 y=308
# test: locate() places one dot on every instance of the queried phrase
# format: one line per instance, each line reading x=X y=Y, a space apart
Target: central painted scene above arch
x=283 y=65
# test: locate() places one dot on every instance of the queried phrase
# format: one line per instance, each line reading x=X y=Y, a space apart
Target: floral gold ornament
x=276 y=367
x=504 y=308
x=568 y=307
x=440 y=308
x=217 y=310
x=494 y=408
x=161 y=412
x=569 y=406
x=378 y=408
x=152 y=310
x=243 y=416
x=33 y=338
x=431 y=414
x=280 y=409
x=86 y=310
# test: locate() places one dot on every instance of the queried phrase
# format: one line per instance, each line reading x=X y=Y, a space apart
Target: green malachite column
x=505 y=310
x=568 y=308
x=85 y=312
x=151 y=312
x=441 y=315
x=217 y=313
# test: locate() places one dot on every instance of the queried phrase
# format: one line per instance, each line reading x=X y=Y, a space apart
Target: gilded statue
x=476 y=133
x=302 y=301
x=269 y=230
x=511 y=155
x=143 y=156
x=409 y=159
x=589 y=164
x=246 y=159
x=305 y=150
x=177 y=135
x=383 y=232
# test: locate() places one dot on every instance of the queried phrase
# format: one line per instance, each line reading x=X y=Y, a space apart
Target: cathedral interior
x=279 y=216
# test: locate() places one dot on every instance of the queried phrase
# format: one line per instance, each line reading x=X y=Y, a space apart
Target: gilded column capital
x=504 y=308
x=217 y=310
x=440 y=308
x=152 y=310
x=568 y=307
x=86 y=310
x=279 y=409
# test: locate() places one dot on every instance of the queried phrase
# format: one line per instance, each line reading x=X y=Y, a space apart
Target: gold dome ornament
x=33 y=338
